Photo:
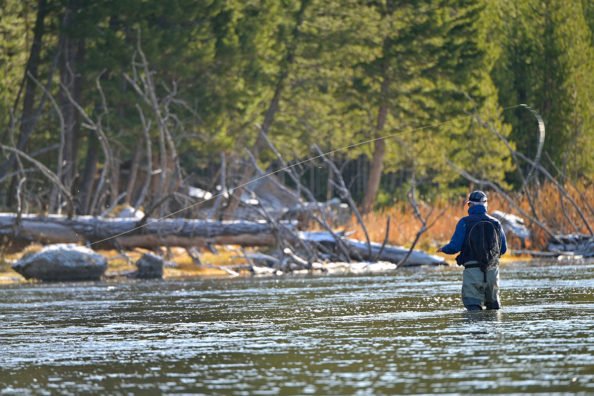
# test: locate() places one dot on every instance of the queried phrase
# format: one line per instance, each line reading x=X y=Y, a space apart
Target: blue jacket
x=475 y=213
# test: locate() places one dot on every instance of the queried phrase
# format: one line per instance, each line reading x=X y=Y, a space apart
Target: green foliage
x=432 y=64
x=15 y=17
x=546 y=62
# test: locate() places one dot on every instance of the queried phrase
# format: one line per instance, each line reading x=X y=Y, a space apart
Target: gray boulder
x=62 y=262
x=149 y=266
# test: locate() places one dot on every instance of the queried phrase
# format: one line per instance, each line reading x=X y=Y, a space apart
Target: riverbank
x=225 y=263
x=178 y=264
x=404 y=226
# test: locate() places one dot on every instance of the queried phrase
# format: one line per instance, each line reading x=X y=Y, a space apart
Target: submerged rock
x=62 y=262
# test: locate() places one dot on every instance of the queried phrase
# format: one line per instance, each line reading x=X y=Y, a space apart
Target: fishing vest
x=484 y=253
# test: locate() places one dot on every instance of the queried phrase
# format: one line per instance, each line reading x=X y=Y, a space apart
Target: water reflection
x=405 y=333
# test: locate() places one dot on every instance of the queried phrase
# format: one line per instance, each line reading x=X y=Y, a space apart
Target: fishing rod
x=299 y=163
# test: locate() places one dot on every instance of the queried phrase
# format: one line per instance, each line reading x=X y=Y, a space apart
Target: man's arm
x=503 y=242
x=457 y=240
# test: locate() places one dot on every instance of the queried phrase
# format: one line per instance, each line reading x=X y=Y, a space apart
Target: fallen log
x=389 y=253
x=581 y=244
x=534 y=253
x=124 y=232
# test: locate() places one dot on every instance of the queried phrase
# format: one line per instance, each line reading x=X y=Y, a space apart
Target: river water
x=400 y=333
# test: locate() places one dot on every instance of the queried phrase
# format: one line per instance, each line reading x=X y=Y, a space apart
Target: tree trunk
x=379 y=151
x=124 y=233
x=359 y=249
x=248 y=173
x=89 y=172
x=271 y=111
x=133 y=173
x=28 y=116
x=71 y=56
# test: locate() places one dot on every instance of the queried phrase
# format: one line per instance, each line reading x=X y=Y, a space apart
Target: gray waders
x=480 y=288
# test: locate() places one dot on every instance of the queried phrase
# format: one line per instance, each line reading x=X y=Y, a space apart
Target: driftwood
x=578 y=244
x=123 y=233
x=389 y=253
x=534 y=253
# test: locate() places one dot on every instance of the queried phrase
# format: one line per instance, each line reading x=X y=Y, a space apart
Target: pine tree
x=475 y=147
x=430 y=64
x=547 y=63
x=15 y=16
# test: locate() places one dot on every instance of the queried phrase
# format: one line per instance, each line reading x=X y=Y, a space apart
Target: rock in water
x=62 y=262
x=150 y=266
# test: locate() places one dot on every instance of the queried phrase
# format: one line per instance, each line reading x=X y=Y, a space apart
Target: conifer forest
x=105 y=103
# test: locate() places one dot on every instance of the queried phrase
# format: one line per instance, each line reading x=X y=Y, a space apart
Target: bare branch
x=46 y=172
x=384 y=243
x=419 y=216
x=503 y=194
x=345 y=194
x=279 y=226
x=146 y=127
x=323 y=221
x=537 y=166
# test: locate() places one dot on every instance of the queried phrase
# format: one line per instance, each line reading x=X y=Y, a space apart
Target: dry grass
x=559 y=215
x=181 y=266
x=185 y=267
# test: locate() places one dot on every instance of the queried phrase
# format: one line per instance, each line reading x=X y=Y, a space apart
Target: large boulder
x=149 y=266
x=62 y=262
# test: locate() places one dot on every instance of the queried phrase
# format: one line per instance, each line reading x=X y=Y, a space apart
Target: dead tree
x=536 y=166
x=322 y=219
x=47 y=173
x=345 y=194
x=285 y=66
x=422 y=219
x=144 y=84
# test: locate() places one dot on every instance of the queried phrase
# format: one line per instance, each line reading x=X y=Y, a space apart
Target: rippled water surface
x=401 y=333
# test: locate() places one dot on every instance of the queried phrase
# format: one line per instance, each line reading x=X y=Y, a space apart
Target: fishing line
x=310 y=159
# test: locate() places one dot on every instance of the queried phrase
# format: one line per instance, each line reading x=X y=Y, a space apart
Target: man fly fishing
x=481 y=241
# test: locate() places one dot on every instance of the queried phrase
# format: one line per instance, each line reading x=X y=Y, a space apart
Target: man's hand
x=439 y=250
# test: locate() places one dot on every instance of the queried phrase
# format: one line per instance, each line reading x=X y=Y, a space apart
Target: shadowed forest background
x=143 y=103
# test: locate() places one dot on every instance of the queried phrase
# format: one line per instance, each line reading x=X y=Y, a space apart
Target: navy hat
x=477 y=197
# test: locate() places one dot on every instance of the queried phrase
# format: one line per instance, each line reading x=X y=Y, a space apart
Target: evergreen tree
x=547 y=63
x=14 y=37
x=474 y=146
x=429 y=70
